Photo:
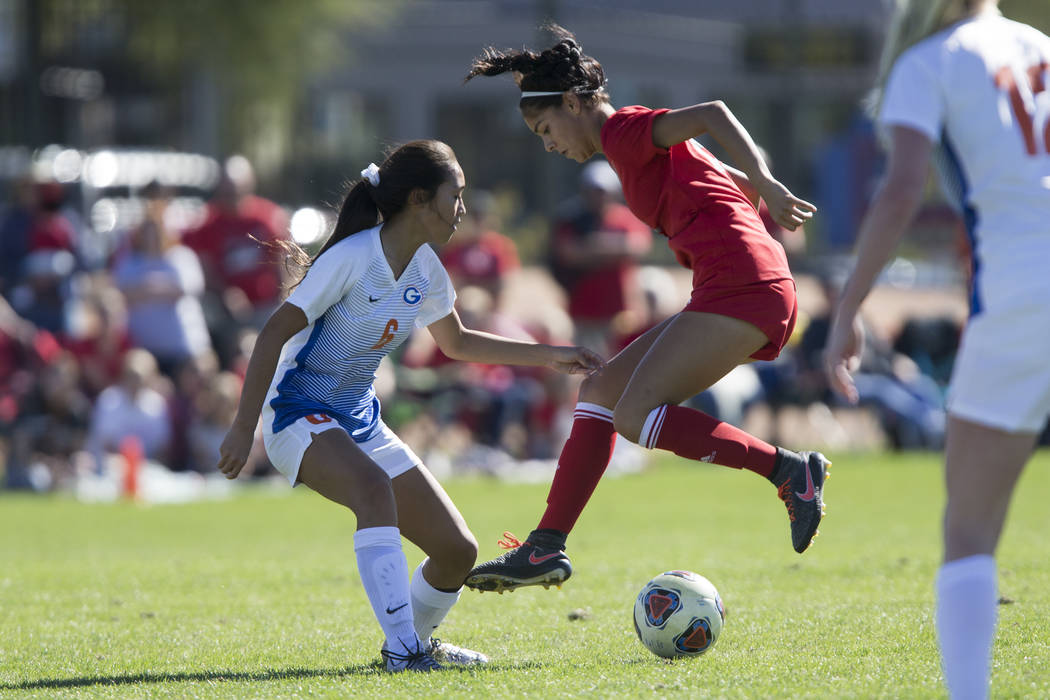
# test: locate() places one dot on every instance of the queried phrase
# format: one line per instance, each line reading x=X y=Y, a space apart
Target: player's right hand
x=574 y=360
x=233 y=453
x=842 y=355
x=786 y=209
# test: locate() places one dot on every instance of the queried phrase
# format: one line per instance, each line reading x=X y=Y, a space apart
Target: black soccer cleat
x=801 y=488
x=526 y=564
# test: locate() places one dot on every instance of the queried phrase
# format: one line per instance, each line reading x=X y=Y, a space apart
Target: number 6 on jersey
x=388 y=334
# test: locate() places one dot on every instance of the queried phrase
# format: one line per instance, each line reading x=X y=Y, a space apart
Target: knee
x=595 y=389
x=458 y=553
x=467 y=551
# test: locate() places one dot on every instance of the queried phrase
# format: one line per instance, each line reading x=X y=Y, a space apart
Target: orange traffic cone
x=131 y=451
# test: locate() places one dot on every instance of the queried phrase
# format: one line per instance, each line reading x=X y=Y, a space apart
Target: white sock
x=384 y=573
x=967 y=606
x=429 y=605
x=654 y=422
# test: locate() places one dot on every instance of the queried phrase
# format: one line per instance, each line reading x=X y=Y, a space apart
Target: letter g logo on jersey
x=412 y=296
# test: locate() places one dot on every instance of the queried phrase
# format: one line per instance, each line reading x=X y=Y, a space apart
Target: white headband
x=540 y=94
x=371 y=173
x=533 y=93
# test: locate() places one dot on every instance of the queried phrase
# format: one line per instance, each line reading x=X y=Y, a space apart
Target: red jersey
x=599 y=293
x=225 y=246
x=488 y=258
x=51 y=232
x=685 y=193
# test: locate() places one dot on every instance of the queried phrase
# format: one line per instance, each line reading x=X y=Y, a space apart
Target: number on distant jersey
x=1024 y=102
x=388 y=334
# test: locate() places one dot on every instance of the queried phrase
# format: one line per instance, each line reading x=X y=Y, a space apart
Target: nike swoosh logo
x=810 y=491
x=533 y=559
x=390 y=611
x=371 y=299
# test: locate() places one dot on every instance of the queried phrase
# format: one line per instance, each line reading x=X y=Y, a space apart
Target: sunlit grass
x=259 y=596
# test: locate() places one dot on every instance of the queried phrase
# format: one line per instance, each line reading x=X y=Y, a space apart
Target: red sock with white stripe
x=695 y=435
x=583 y=461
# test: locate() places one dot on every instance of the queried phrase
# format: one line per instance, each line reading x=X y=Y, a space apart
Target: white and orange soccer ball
x=679 y=614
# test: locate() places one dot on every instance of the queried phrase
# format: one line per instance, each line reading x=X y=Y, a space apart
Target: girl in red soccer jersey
x=742 y=306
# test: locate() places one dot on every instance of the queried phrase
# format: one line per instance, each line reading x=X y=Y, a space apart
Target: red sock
x=583 y=461
x=696 y=435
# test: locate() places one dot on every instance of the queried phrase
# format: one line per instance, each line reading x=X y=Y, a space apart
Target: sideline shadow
x=131 y=678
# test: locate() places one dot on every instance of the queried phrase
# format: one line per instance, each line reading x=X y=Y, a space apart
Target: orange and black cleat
x=524 y=564
x=801 y=487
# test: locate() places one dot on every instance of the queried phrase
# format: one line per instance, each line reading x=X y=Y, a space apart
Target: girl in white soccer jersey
x=359 y=299
x=968 y=86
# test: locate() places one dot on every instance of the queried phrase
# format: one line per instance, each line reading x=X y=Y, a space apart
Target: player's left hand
x=786 y=209
x=574 y=360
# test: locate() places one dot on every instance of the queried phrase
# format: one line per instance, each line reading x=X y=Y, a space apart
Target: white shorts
x=1001 y=377
x=285 y=448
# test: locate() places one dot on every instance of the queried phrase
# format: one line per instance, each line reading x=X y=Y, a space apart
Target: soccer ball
x=678 y=614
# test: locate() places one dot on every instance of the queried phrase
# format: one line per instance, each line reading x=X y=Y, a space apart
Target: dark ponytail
x=358 y=212
x=563 y=67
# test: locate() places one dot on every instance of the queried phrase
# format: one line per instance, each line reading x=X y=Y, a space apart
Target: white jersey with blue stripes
x=978 y=89
x=356 y=313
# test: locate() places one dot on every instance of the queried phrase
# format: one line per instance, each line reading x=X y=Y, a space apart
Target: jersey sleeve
x=912 y=97
x=627 y=136
x=440 y=297
x=329 y=278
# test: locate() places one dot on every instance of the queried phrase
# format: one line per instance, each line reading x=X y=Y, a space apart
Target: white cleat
x=450 y=654
x=418 y=659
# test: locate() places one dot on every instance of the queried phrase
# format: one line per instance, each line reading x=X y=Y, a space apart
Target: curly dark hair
x=563 y=67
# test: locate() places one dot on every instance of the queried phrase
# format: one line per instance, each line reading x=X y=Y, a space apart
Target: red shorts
x=770 y=305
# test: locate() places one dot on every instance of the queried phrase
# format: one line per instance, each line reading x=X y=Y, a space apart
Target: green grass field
x=259 y=596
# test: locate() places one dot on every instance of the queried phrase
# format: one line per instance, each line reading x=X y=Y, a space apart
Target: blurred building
x=792 y=70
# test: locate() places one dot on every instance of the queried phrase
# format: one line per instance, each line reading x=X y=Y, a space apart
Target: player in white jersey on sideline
x=967 y=86
x=373 y=280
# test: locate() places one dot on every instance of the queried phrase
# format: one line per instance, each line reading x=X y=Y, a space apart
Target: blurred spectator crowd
x=143 y=348
x=145 y=343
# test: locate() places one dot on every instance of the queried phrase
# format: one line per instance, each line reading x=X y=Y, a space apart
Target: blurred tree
x=249 y=60
x=1033 y=12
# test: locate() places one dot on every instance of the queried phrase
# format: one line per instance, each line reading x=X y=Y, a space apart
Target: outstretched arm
x=461 y=343
x=715 y=118
x=887 y=219
x=285 y=322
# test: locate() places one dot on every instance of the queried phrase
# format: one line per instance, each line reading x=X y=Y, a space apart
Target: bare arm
x=744 y=183
x=461 y=343
x=715 y=118
x=282 y=325
x=888 y=217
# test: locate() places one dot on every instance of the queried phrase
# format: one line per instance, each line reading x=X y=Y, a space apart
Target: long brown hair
x=421 y=165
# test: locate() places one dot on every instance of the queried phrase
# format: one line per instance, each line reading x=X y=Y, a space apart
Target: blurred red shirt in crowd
x=50 y=229
x=596 y=243
x=225 y=245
